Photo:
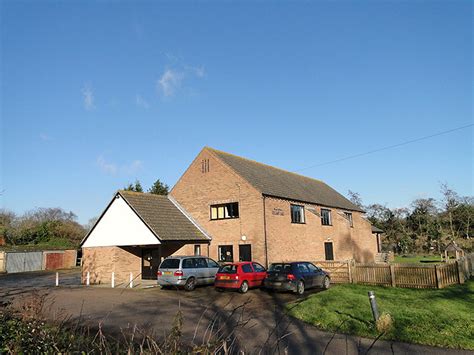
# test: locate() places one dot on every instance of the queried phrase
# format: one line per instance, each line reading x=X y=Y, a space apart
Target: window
x=212 y=263
x=189 y=263
x=302 y=268
x=201 y=263
x=170 y=264
x=226 y=253
x=348 y=216
x=297 y=214
x=228 y=269
x=197 y=250
x=326 y=217
x=247 y=268
x=312 y=268
x=258 y=268
x=225 y=211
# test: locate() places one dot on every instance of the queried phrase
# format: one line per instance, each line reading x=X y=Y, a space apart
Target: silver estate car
x=187 y=271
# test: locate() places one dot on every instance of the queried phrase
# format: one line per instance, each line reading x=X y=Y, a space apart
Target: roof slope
x=276 y=182
x=163 y=217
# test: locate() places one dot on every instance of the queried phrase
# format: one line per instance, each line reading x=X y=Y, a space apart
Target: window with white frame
x=326 y=217
x=297 y=214
x=225 y=211
x=348 y=216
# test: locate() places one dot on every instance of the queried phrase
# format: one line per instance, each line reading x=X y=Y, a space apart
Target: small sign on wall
x=278 y=212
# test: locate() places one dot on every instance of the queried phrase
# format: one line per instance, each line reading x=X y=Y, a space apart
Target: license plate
x=167 y=273
x=224 y=278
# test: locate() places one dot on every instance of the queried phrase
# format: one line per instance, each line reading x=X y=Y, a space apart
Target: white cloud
x=113 y=169
x=141 y=102
x=88 y=96
x=170 y=81
x=133 y=167
x=199 y=72
x=106 y=167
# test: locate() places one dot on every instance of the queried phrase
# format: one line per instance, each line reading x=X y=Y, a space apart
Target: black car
x=295 y=276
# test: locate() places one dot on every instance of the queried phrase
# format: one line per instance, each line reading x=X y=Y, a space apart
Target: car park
x=187 y=272
x=296 y=277
x=240 y=276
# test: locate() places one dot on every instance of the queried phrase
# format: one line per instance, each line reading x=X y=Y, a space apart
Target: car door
x=202 y=271
x=304 y=273
x=260 y=273
x=249 y=274
x=212 y=268
x=316 y=275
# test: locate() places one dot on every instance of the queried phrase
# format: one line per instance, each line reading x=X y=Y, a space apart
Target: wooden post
x=392 y=275
x=438 y=277
x=460 y=273
x=88 y=278
x=57 y=279
x=349 y=269
x=113 y=279
x=131 y=280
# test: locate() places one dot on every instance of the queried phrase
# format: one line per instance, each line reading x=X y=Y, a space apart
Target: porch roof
x=165 y=218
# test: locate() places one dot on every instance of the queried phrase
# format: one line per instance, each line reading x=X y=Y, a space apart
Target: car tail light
x=178 y=273
x=159 y=273
x=290 y=277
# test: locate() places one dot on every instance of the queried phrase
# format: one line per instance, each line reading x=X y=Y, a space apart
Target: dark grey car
x=296 y=277
x=187 y=271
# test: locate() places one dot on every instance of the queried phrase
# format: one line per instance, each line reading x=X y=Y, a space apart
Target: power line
x=387 y=147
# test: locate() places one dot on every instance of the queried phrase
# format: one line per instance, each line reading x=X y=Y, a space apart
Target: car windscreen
x=228 y=269
x=280 y=267
x=170 y=264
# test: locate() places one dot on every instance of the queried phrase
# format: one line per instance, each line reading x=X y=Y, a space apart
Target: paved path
x=267 y=329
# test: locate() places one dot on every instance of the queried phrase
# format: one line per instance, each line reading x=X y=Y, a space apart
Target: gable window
x=326 y=217
x=226 y=253
x=297 y=214
x=348 y=216
x=225 y=211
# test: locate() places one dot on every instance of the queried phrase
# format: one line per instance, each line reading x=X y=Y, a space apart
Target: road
x=264 y=326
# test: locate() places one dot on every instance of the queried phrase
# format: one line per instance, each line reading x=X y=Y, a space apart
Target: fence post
x=349 y=267
x=113 y=279
x=57 y=279
x=460 y=273
x=392 y=275
x=438 y=277
x=131 y=280
x=88 y=278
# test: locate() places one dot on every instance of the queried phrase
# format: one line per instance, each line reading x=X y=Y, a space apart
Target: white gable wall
x=120 y=226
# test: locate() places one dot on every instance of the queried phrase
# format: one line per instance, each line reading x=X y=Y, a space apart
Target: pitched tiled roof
x=280 y=183
x=163 y=216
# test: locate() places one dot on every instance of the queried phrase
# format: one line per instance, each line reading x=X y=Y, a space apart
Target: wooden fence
x=401 y=275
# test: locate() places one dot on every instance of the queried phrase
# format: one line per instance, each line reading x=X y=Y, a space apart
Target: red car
x=240 y=276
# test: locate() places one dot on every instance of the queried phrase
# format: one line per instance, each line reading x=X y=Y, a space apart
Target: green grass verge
x=433 y=317
x=416 y=259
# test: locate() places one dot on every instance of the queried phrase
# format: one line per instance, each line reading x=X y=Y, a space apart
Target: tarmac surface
x=256 y=322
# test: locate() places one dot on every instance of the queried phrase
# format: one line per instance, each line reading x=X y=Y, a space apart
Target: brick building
x=229 y=208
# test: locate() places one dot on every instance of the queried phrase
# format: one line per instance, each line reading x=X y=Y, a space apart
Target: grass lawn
x=433 y=317
x=415 y=259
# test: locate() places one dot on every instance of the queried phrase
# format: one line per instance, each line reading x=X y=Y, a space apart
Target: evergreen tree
x=159 y=188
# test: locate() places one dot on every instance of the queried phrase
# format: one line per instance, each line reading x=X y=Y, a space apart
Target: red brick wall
x=102 y=261
x=197 y=191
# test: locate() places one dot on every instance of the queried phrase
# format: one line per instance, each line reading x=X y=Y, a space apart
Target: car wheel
x=190 y=284
x=300 y=287
x=244 y=287
x=326 y=283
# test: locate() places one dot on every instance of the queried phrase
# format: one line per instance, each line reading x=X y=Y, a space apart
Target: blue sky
x=97 y=94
